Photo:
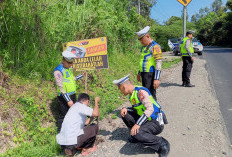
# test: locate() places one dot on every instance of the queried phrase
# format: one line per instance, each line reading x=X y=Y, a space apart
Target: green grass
x=34 y=130
x=30 y=47
x=169 y=64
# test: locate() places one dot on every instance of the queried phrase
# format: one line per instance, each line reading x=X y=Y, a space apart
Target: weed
x=6 y=133
x=30 y=46
x=4 y=125
x=114 y=116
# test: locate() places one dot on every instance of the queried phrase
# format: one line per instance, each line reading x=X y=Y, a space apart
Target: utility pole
x=184 y=20
x=139 y=6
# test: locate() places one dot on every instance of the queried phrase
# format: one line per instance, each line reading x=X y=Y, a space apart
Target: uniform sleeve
x=87 y=110
x=188 y=43
x=78 y=77
x=157 y=54
x=158 y=63
x=59 y=82
x=145 y=100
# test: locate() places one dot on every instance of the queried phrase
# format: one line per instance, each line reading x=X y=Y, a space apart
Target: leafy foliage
x=215 y=25
x=33 y=32
x=31 y=37
x=172 y=29
x=145 y=6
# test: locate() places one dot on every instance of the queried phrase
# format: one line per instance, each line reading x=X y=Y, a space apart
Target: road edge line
x=229 y=152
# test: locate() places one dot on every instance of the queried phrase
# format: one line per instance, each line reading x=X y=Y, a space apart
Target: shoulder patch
x=59 y=75
x=157 y=49
x=141 y=95
x=67 y=74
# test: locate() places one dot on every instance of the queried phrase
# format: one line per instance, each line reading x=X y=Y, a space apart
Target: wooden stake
x=86 y=81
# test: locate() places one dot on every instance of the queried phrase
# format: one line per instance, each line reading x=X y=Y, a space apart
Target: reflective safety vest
x=139 y=107
x=69 y=83
x=183 y=49
x=147 y=61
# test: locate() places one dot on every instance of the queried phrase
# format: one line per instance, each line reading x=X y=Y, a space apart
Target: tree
x=145 y=6
x=217 y=6
x=229 y=4
x=172 y=20
x=215 y=25
x=193 y=18
x=207 y=10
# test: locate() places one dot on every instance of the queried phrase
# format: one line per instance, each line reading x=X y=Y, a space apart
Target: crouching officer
x=145 y=118
x=66 y=85
x=150 y=61
x=187 y=57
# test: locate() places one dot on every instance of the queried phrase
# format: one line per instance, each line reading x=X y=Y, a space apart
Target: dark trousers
x=87 y=139
x=63 y=108
x=148 y=82
x=147 y=131
x=187 y=68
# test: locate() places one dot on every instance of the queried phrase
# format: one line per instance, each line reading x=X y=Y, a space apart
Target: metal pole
x=139 y=6
x=184 y=20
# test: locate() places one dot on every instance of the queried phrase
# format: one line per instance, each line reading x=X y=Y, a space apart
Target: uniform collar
x=150 y=43
x=64 y=67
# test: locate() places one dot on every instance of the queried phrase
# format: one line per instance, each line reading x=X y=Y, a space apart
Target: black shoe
x=189 y=85
x=131 y=139
x=183 y=84
x=164 y=148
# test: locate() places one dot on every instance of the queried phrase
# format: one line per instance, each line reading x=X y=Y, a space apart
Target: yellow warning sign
x=90 y=54
x=184 y=2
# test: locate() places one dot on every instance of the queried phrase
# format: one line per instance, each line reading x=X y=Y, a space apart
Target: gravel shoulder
x=195 y=129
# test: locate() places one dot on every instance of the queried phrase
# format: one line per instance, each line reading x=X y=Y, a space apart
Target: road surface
x=195 y=129
x=219 y=63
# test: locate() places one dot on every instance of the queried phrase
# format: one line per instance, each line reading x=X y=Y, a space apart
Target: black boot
x=189 y=85
x=164 y=148
x=184 y=83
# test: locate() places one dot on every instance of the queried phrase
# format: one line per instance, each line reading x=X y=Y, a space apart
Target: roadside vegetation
x=31 y=37
x=29 y=107
x=214 y=24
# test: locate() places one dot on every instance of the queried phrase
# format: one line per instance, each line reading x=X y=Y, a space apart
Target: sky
x=164 y=9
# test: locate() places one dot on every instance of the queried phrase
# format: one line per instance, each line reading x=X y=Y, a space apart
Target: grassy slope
x=28 y=107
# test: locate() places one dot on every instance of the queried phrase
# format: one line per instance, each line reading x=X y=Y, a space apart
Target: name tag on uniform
x=67 y=74
x=160 y=119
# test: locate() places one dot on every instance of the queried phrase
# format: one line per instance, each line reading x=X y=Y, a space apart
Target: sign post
x=86 y=81
x=184 y=3
x=139 y=6
x=91 y=54
x=184 y=20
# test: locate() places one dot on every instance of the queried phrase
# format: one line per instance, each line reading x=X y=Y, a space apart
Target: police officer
x=66 y=85
x=145 y=118
x=187 y=57
x=150 y=61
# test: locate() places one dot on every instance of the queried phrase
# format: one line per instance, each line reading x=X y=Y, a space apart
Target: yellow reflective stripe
x=153 y=101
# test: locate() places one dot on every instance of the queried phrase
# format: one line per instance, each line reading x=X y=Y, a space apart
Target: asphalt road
x=219 y=62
